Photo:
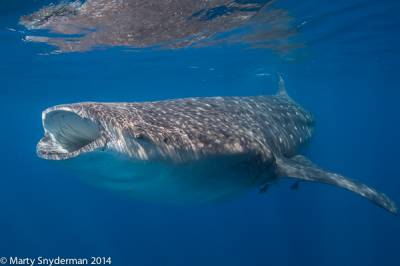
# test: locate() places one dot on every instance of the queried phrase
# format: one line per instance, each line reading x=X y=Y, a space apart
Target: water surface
x=340 y=60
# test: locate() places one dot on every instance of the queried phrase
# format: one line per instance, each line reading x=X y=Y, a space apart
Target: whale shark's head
x=69 y=132
x=72 y=130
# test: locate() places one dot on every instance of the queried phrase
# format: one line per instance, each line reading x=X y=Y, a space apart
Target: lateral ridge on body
x=189 y=150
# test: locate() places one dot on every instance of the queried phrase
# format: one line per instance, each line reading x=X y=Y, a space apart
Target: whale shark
x=190 y=150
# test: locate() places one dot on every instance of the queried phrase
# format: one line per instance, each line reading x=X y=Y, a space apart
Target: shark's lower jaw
x=68 y=135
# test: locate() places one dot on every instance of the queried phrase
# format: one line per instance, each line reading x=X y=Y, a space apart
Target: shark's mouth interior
x=66 y=134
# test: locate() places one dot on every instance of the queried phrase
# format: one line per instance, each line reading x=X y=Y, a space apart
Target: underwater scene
x=199 y=132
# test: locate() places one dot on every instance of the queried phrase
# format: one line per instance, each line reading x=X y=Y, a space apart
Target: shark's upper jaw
x=68 y=134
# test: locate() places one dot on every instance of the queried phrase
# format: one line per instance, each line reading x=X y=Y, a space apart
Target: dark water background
x=346 y=74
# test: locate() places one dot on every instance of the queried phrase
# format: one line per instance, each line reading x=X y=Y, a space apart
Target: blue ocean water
x=345 y=72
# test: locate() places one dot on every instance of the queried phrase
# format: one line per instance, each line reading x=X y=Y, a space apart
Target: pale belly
x=199 y=181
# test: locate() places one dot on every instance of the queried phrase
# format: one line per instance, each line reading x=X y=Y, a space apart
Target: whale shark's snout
x=67 y=134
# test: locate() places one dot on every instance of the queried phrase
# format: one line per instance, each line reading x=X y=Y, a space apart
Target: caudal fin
x=300 y=167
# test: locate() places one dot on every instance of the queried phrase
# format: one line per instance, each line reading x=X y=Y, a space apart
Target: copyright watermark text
x=55 y=261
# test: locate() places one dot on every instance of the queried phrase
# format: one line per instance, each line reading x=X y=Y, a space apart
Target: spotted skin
x=265 y=130
x=203 y=126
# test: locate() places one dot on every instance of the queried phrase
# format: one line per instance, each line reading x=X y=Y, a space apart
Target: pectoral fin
x=301 y=168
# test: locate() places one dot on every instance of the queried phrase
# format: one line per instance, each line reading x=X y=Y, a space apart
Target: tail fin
x=301 y=168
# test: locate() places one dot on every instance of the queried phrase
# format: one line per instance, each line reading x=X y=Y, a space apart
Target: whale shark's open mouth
x=68 y=135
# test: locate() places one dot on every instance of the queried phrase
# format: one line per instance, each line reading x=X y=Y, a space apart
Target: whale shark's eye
x=140 y=137
x=69 y=131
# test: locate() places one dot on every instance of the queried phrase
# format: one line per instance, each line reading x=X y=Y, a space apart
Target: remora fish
x=189 y=150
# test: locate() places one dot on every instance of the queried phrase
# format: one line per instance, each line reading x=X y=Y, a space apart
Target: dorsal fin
x=282 y=88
